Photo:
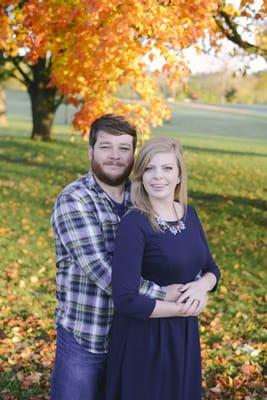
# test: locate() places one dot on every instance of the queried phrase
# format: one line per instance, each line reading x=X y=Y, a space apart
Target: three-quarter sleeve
x=127 y=268
x=210 y=265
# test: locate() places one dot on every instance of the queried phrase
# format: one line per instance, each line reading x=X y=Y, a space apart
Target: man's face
x=112 y=158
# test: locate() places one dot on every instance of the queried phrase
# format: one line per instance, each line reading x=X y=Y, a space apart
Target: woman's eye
x=168 y=168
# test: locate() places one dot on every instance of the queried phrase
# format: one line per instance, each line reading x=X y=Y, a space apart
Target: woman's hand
x=192 y=308
x=194 y=292
x=166 y=309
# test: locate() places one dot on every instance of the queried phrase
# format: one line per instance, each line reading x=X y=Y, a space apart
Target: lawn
x=227 y=185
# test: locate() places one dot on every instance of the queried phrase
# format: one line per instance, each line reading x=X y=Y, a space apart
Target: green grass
x=227 y=184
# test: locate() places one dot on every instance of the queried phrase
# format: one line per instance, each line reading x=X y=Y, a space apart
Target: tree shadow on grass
x=20 y=147
x=231 y=207
x=216 y=199
x=55 y=157
x=53 y=166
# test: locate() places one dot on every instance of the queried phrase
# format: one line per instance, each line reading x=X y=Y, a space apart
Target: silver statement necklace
x=174 y=229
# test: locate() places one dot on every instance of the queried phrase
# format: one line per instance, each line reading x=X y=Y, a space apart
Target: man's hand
x=173 y=292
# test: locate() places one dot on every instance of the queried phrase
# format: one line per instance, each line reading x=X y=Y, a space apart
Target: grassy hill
x=227 y=165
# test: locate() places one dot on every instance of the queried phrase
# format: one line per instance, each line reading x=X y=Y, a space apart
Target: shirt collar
x=93 y=185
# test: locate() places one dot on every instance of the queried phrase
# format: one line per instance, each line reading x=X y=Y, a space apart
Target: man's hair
x=113 y=124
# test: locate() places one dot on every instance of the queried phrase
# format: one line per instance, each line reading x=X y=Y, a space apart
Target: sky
x=204 y=63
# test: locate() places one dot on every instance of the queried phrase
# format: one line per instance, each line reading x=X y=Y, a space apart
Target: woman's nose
x=157 y=173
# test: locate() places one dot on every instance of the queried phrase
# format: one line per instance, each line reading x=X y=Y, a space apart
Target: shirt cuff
x=160 y=293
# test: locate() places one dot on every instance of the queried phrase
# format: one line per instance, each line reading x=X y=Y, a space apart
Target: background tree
x=35 y=76
x=3 y=114
x=245 y=26
x=82 y=49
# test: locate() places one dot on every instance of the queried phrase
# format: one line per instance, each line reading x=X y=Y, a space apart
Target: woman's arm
x=197 y=290
x=168 y=309
x=210 y=272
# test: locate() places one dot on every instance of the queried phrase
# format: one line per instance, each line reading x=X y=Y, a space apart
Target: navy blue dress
x=155 y=358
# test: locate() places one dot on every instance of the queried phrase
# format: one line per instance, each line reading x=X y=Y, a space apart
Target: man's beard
x=111 y=180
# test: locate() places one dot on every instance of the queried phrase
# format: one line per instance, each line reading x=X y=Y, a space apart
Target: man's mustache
x=117 y=164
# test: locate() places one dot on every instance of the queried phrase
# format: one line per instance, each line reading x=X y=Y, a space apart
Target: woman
x=154 y=349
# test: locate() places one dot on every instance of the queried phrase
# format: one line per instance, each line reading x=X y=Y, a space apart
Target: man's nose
x=115 y=154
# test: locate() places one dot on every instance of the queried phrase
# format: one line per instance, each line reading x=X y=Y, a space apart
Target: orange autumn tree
x=81 y=50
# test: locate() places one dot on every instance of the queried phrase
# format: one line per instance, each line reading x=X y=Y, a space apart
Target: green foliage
x=230 y=94
x=227 y=177
x=5 y=73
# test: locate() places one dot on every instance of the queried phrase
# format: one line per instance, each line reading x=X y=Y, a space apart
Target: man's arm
x=154 y=291
x=80 y=233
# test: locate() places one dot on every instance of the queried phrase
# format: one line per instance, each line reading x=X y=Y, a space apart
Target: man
x=85 y=219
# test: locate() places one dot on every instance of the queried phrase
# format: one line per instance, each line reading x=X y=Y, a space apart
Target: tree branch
x=59 y=100
x=26 y=80
x=229 y=29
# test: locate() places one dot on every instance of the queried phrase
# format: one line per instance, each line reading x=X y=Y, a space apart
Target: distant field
x=226 y=156
x=188 y=120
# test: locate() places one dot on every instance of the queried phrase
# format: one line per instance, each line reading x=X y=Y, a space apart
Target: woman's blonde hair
x=139 y=195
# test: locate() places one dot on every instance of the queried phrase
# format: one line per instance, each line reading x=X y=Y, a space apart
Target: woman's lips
x=158 y=186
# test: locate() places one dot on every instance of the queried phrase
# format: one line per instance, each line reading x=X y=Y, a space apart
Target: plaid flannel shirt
x=85 y=225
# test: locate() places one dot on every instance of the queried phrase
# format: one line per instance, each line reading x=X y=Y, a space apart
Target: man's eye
x=125 y=149
x=168 y=168
x=104 y=147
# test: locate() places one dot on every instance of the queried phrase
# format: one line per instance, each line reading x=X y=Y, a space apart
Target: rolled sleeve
x=152 y=290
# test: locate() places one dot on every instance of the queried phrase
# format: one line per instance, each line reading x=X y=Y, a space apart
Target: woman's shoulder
x=190 y=212
x=190 y=209
x=135 y=217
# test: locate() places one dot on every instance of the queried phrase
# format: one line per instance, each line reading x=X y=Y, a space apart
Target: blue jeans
x=77 y=374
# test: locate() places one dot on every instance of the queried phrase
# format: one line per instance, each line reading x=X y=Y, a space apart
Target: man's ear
x=90 y=152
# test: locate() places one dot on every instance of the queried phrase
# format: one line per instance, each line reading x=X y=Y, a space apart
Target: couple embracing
x=133 y=273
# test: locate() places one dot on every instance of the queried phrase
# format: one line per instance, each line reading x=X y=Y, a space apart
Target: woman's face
x=161 y=176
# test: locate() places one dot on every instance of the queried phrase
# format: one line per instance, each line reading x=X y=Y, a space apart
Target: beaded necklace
x=174 y=229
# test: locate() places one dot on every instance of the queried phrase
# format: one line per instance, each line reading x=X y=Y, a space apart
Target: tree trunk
x=44 y=101
x=3 y=116
x=43 y=112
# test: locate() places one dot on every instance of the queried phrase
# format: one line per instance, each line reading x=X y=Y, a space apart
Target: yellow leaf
x=223 y=289
x=22 y=284
x=34 y=279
